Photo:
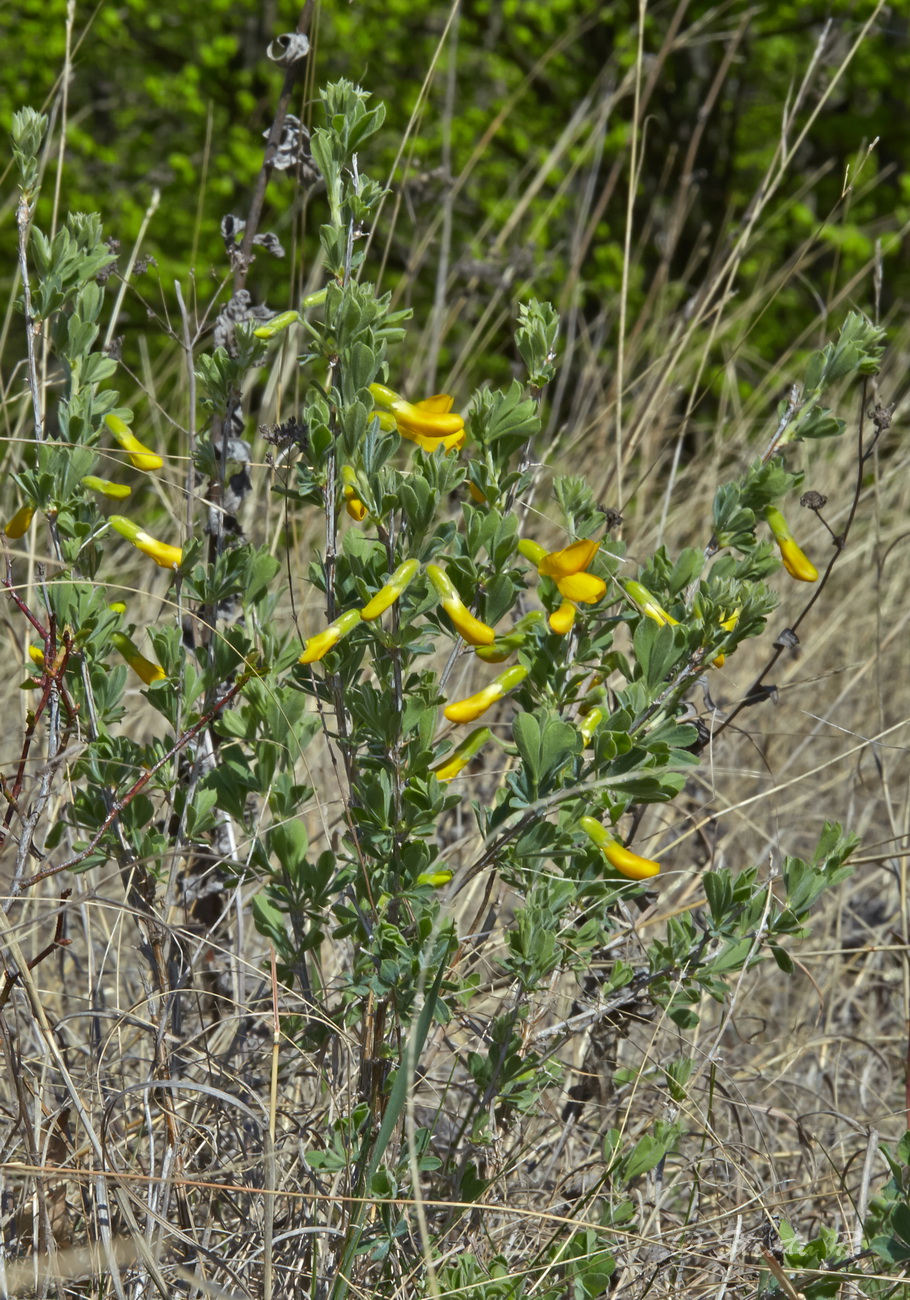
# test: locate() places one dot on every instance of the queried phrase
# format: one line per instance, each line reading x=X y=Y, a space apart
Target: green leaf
x=270 y=920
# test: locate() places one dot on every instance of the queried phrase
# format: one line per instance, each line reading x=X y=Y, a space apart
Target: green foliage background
x=177 y=96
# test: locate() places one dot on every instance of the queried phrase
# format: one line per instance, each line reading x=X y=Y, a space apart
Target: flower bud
x=469 y=627
x=316 y=646
x=140 y=456
x=588 y=724
x=794 y=560
x=468 y=710
x=119 y=491
x=449 y=767
x=164 y=555
x=620 y=858
x=648 y=605
x=149 y=672
x=276 y=325
x=390 y=592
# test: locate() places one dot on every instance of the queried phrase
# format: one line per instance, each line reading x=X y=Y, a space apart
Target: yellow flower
x=449 y=767
x=140 y=455
x=567 y=569
x=468 y=710
x=471 y=628
x=561 y=620
x=795 y=562
x=352 y=502
x=36 y=654
x=389 y=593
x=119 y=491
x=165 y=555
x=320 y=644
x=149 y=672
x=429 y=423
x=620 y=858
x=728 y=624
x=648 y=605
x=18 y=526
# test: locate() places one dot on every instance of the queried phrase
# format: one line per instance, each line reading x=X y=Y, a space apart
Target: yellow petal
x=796 y=562
x=413 y=419
x=583 y=588
x=573 y=559
x=440 y=404
x=561 y=620
x=354 y=506
x=469 y=627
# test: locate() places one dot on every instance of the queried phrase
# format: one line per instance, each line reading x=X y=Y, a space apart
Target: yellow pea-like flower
x=797 y=564
x=472 y=629
x=119 y=491
x=19 y=525
x=567 y=569
x=164 y=555
x=619 y=857
x=430 y=423
x=390 y=591
x=319 y=645
x=140 y=455
x=145 y=668
x=471 y=708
